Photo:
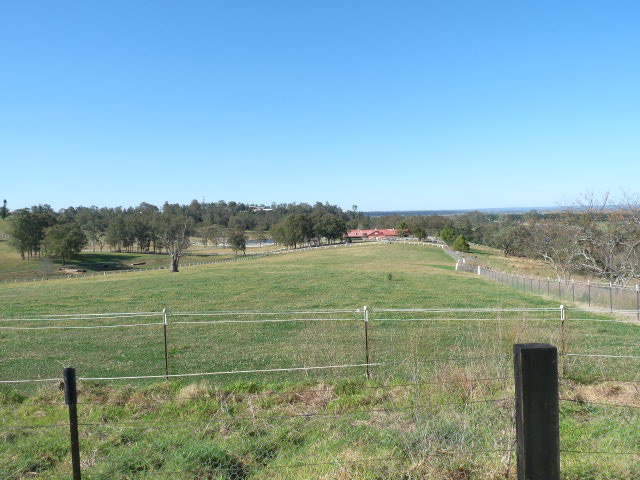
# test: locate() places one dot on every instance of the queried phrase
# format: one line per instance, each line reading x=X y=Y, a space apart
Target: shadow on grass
x=101 y=262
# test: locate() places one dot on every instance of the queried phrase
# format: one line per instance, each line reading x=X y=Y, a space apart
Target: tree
x=608 y=240
x=27 y=229
x=238 y=240
x=420 y=233
x=262 y=237
x=116 y=235
x=513 y=239
x=207 y=234
x=460 y=244
x=556 y=243
x=402 y=228
x=174 y=233
x=328 y=225
x=3 y=211
x=64 y=240
x=294 y=230
x=448 y=234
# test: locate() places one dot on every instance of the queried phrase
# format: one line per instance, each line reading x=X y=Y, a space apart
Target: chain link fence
x=603 y=296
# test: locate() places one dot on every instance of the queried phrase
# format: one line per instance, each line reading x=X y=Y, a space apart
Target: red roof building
x=379 y=233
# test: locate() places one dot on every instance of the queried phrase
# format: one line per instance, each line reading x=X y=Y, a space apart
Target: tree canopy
x=64 y=240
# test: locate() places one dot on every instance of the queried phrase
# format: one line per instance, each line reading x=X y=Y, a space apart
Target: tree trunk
x=175 y=262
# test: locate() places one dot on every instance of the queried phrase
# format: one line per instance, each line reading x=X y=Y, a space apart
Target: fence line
x=597 y=355
x=606 y=296
x=421 y=416
x=293 y=320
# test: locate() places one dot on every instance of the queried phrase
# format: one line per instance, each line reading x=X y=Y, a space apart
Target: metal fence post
x=563 y=337
x=611 y=296
x=573 y=291
x=537 y=411
x=366 y=339
x=165 y=323
x=589 y=287
x=71 y=399
x=638 y=301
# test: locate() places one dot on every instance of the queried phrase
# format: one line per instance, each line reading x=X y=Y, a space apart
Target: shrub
x=461 y=244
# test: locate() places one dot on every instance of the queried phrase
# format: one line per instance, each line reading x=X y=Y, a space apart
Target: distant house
x=377 y=234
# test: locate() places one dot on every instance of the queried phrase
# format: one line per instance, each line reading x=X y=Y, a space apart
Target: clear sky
x=388 y=105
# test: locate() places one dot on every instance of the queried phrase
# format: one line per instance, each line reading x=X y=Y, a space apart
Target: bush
x=461 y=244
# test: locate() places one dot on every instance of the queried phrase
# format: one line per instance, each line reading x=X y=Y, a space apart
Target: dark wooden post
x=366 y=339
x=537 y=411
x=71 y=399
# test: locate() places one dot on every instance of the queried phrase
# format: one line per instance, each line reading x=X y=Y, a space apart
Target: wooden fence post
x=71 y=399
x=537 y=411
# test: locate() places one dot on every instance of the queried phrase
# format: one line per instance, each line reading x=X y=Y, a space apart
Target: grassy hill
x=440 y=407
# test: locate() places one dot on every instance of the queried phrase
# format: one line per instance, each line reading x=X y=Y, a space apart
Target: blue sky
x=385 y=105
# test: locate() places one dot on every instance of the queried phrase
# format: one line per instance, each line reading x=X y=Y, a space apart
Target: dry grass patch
x=617 y=393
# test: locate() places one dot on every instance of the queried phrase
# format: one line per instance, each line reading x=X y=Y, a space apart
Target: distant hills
x=382 y=213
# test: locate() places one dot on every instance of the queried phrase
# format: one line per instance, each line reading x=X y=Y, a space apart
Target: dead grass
x=617 y=393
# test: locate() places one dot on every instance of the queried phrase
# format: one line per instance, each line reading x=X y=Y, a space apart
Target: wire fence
x=332 y=393
x=301 y=344
x=603 y=296
x=304 y=431
x=377 y=342
x=345 y=429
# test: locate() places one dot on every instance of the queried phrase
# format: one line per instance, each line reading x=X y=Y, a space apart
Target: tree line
x=172 y=227
x=593 y=238
x=596 y=238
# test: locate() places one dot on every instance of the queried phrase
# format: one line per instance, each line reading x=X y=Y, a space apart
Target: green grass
x=12 y=267
x=309 y=424
x=344 y=278
x=337 y=278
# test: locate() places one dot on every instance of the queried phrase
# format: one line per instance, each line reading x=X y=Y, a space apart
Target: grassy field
x=494 y=258
x=13 y=267
x=439 y=408
x=342 y=277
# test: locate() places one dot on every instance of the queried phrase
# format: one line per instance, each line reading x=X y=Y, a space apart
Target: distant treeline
x=594 y=238
x=591 y=239
x=141 y=228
